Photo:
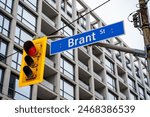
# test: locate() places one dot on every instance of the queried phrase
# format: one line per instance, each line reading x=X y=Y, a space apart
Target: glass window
x=32 y=3
x=69 y=53
x=137 y=71
x=83 y=22
x=141 y=93
x=7 y=5
x=26 y=17
x=109 y=65
x=131 y=83
x=133 y=96
x=67 y=31
x=22 y=36
x=1 y=78
x=108 y=50
x=111 y=96
x=111 y=82
x=69 y=10
x=118 y=55
x=17 y=93
x=63 y=5
x=145 y=79
x=67 y=68
x=128 y=64
x=66 y=90
x=4 y=25
x=16 y=59
x=148 y=96
x=3 y=50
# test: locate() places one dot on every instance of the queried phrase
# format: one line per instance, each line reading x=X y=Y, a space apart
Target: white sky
x=118 y=10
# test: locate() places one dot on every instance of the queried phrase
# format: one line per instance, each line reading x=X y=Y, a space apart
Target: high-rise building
x=86 y=73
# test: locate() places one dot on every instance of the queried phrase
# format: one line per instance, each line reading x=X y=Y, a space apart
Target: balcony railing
x=47 y=85
x=98 y=95
x=50 y=62
x=83 y=66
x=123 y=96
x=85 y=86
x=96 y=59
x=48 y=20
x=99 y=78
x=84 y=49
x=51 y=2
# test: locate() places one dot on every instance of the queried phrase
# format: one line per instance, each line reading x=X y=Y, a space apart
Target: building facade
x=86 y=73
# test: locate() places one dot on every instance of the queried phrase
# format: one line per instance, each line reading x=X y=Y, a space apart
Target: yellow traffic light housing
x=33 y=59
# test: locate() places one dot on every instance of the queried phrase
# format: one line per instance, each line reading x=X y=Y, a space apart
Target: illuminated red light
x=32 y=51
x=30 y=48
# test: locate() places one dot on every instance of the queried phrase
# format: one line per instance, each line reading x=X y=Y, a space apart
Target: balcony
x=83 y=66
x=47 y=19
x=123 y=96
x=96 y=59
x=99 y=78
x=47 y=85
x=51 y=2
x=98 y=95
x=84 y=49
x=50 y=62
x=85 y=86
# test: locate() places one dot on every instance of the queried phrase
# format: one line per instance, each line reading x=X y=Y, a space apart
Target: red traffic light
x=29 y=48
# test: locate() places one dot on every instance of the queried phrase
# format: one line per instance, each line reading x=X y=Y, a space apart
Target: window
x=111 y=82
x=4 y=25
x=63 y=5
x=32 y=3
x=68 y=31
x=21 y=36
x=128 y=64
x=118 y=55
x=137 y=72
x=69 y=53
x=67 y=68
x=145 y=79
x=83 y=22
x=3 y=50
x=111 y=96
x=141 y=92
x=1 y=78
x=148 y=96
x=133 y=96
x=108 y=50
x=109 y=65
x=16 y=59
x=69 y=10
x=26 y=17
x=67 y=90
x=7 y=5
x=16 y=92
x=131 y=83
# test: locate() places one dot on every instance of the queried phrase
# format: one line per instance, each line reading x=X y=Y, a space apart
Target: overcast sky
x=118 y=10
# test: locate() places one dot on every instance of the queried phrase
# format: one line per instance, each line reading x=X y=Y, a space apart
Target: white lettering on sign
x=102 y=31
x=81 y=40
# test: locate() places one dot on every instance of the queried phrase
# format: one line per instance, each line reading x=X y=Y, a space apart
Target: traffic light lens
x=28 y=72
x=29 y=61
x=32 y=51
x=29 y=48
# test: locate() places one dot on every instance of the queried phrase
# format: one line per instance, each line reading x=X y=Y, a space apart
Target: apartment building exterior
x=86 y=73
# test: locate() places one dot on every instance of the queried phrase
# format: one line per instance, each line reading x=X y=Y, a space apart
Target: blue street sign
x=87 y=38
